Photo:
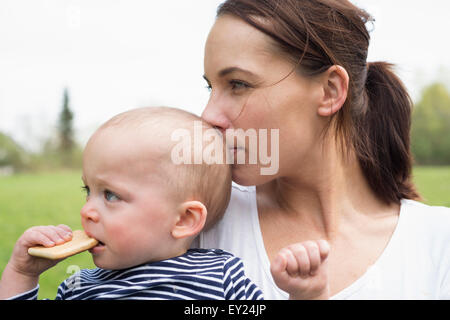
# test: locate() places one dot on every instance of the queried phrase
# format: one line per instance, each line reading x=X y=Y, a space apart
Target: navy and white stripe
x=200 y=274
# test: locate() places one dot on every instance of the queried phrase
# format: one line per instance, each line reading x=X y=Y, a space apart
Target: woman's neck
x=323 y=194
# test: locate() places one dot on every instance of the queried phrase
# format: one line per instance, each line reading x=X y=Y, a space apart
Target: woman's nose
x=88 y=212
x=215 y=117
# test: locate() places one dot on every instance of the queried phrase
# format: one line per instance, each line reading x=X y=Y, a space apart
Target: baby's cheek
x=119 y=237
x=128 y=241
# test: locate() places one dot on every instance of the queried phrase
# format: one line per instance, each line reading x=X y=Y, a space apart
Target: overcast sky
x=114 y=55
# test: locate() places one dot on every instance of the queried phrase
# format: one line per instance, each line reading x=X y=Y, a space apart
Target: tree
x=66 y=153
x=65 y=126
x=430 y=135
x=12 y=155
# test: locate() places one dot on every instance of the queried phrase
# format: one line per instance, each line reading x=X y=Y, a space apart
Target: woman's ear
x=335 y=87
x=191 y=219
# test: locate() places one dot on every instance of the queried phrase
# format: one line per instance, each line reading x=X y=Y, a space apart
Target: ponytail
x=383 y=135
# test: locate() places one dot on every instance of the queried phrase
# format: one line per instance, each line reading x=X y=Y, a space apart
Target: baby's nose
x=88 y=212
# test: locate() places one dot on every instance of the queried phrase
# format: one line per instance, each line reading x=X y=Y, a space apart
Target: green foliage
x=430 y=135
x=60 y=151
x=11 y=154
x=50 y=158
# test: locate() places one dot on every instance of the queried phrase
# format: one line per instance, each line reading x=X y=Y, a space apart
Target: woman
x=344 y=156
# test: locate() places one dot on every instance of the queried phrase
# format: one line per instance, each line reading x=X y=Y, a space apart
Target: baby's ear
x=191 y=219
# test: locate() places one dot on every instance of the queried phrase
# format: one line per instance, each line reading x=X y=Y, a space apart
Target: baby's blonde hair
x=207 y=183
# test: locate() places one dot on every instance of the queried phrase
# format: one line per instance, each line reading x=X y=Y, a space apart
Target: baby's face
x=127 y=207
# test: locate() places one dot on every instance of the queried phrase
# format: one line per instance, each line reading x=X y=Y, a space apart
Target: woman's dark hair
x=375 y=120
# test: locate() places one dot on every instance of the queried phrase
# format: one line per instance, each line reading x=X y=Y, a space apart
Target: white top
x=414 y=265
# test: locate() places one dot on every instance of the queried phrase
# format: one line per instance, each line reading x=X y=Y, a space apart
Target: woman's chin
x=249 y=175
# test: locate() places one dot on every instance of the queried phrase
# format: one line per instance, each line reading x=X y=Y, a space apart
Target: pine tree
x=65 y=127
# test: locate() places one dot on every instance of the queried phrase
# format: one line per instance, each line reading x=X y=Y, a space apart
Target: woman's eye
x=208 y=87
x=110 y=196
x=237 y=85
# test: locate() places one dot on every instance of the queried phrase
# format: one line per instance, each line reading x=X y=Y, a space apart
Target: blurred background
x=66 y=66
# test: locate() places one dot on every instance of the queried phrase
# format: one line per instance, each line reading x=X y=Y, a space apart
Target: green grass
x=55 y=198
x=433 y=184
x=41 y=199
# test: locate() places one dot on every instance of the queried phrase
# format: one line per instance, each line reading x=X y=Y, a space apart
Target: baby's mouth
x=98 y=248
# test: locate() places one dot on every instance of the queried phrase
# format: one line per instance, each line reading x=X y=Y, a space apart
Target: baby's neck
x=175 y=251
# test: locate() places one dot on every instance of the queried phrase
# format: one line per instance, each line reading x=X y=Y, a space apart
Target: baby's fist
x=47 y=236
x=300 y=269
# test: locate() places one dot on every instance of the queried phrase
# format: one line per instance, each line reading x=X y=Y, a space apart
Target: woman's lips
x=236 y=149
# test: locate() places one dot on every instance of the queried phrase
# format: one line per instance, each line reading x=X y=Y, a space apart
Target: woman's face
x=254 y=88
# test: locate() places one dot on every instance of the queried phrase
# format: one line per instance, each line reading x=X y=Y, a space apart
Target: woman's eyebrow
x=229 y=70
x=222 y=73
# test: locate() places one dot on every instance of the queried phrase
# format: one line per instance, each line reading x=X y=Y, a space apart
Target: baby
x=145 y=211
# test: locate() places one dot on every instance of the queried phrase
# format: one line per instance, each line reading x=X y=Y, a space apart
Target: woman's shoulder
x=425 y=232
x=423 y=218
x=425 y=211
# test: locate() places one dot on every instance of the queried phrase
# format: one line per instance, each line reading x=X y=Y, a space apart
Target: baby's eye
x=208 y=84
x=110 y=196
x=86 y=190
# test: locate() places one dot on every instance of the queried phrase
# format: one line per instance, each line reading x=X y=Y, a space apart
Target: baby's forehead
x=143 y=137
x=160 y=121
x=153 y=132
x=156 y=131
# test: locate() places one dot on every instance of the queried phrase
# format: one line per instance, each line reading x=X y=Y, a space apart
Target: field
x=433 y=184
x=42 y=199
x=54 y=198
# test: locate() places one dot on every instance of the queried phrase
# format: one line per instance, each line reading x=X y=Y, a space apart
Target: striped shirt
x=200 y=274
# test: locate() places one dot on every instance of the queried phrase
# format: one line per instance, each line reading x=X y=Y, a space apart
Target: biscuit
x=80 y=242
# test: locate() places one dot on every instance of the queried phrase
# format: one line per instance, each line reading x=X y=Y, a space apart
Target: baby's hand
x=47 y=236
x=300 y=269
